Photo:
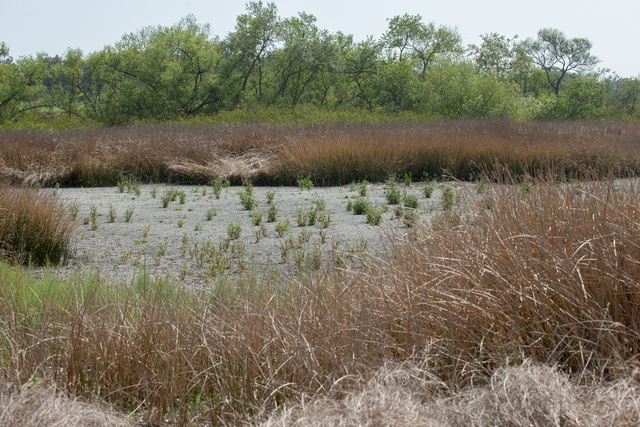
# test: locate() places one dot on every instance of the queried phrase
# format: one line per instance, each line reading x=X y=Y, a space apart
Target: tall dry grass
x=548 y=275
x=329 y=155
x=34 y=227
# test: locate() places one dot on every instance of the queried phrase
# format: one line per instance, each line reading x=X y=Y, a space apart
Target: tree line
x=183 y=71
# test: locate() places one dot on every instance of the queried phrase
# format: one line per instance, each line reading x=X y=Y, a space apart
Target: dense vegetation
x=327 y=155
x=507 y=275
x=268 y=65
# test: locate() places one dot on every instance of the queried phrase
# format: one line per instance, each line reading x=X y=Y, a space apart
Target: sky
x=52 y=26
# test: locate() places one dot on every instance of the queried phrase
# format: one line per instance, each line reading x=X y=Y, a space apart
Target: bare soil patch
x=120 y=249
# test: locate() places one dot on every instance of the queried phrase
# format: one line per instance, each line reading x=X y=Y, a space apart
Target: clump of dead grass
x=37 y=405
x=527 y=395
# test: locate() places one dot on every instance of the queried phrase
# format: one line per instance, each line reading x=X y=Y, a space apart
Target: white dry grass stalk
x=529 y=395
x=35 y=405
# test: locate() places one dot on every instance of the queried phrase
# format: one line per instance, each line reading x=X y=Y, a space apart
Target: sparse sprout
x=408 y=179
x=128 y=214
x=282 y=227
x=73 y=210
x=272 y=214
x=428 y=189
x=448 y=198
x=256 y=217
x=270 y=196
x=113 y=214
x=364 y=188
x=211 y=213
x=180 y=223
x=145 y=231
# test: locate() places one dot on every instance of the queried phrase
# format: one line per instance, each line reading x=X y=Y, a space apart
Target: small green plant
x=73 y=210
x=145 y=231
x=272 y=213
x=128 y=214
x=93 y=216
x=282 y=227
x=312 y=216
x=198 y=227
x=448 y=197
x=217 y=187
x=305 y=183
x=166 y=198
x=353 y=186
x=301 y=217
x=364 y=188
x=304 y=236
x=428 y=189
x=360 y=206
x=183 y=197
x=324 y=219
x=374 y=216
x=411 y=201
x=180 y=223
x=246 y=197
x=234 y=230
x=392 y=192
x=323 y=236
x=270 y=196
x=320 y=204
x=211 y=213
x=257 y=217
x=408 y=179
x=154 y=191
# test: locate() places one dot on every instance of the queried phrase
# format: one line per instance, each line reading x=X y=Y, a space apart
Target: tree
x=422 y=42
x=255 y=34
x=165 y=72
x=305 y=54
x=361 y=67
x=21 y=87
x=557 y=55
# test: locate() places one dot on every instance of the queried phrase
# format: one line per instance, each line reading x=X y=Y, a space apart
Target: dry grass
x=548 y=275
x=529 y=395
x=34 y=228
x=36 y=405
x=329 y=155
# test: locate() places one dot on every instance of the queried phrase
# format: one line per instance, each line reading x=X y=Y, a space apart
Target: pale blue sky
x=613 y=26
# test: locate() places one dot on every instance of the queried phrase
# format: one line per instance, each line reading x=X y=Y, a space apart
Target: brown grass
x=34 y=228
x=548 y=275
x=329 y=155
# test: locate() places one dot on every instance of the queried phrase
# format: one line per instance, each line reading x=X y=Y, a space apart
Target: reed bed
x=544 y=273
x=34 y=227
x=268 y=154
